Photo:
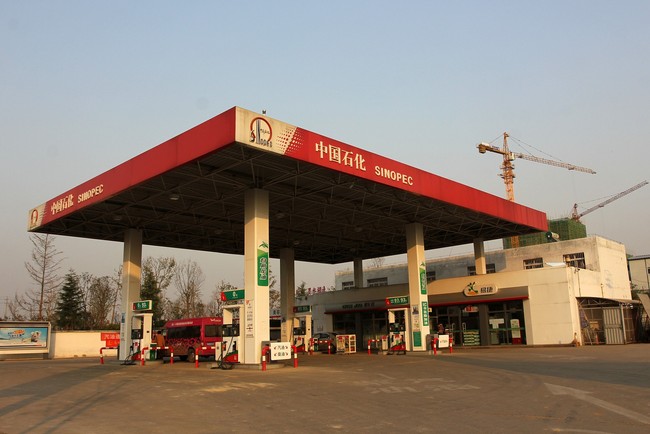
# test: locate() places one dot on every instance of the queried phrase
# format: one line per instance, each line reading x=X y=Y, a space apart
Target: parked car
x=322 y=340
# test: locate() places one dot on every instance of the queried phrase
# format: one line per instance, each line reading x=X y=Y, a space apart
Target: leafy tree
x=69 y=310
x=301 y=290
x=43 y=269
x=150 y=290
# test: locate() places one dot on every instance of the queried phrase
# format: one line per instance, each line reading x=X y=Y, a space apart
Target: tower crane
x=575 y=216
x=507 y=168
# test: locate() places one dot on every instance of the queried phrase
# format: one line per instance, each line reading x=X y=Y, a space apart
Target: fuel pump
x=229 y=353
x=302 y=332
x=397 y=331
x=141 y=323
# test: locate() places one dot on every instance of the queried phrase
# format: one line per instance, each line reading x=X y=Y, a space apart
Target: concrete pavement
x=603 y=389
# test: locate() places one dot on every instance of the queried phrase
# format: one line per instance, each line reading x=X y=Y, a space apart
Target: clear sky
x=86 y=85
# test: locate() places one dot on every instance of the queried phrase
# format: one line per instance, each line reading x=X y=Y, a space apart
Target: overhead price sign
x=397 y=300
x=235 y=294
x=142 y=305
x=302 y=309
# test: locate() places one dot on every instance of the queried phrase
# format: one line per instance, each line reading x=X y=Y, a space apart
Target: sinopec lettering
x=393 y=175
x=95 y=191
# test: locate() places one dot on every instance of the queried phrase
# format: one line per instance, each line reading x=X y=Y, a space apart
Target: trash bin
x=152 y=353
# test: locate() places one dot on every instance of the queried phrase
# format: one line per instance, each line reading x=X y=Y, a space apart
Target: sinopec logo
x=261 y=132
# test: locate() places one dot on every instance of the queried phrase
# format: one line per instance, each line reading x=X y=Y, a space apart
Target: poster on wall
x=17 y=336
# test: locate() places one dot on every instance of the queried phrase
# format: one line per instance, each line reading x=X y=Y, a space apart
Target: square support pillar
x=417 y=282
x=254 y=325
x=479 y=256
x=131 y=278
x=287 y=292
x=358 y=273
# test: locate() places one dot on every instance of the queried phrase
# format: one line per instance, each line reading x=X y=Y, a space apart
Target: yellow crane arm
x=553 y=163
x=484 y=147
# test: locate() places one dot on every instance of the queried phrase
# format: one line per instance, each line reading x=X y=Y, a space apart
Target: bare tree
x=84 y=281
x=43 y=269
x=215 y=305
x=162 y=269
x=377 y=262
x=188 y=280
x=274 y=294
x=17 y=308
x=100 y=301
x=157 y=275
x=117 y=285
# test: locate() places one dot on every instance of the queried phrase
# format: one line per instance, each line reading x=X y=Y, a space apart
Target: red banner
x=110 y=336
x=112 y=342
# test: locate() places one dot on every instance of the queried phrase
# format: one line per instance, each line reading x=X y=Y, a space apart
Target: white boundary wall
x=68 y=344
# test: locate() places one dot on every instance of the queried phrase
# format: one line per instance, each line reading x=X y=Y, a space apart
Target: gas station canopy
x=329 y=201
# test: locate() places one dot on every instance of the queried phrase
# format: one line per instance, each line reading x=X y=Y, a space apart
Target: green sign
x=142 y=305
x=425 y=313
x=235 y=294
x=397 y=300
x=301 y=309
x=263 y=264
x=423 y=278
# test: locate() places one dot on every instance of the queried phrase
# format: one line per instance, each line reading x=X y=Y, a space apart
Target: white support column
x=131 y=278
x=358 y=273
x=479 y=256
x=254 y=326
x=287 y=292
x=417 y=281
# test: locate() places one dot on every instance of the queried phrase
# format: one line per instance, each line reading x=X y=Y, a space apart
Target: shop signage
x=397 y=301
x=474 y=290
x=302 y=309
x=364 y=305
x=470 y=308
x=142 y=305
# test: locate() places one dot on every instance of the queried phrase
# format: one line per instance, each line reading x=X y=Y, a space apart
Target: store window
x=347 y=285
x=576 y=260
x=489 y=269
x=431 y=276
x=529 y=264
x=379 y=281
x=345 y=323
